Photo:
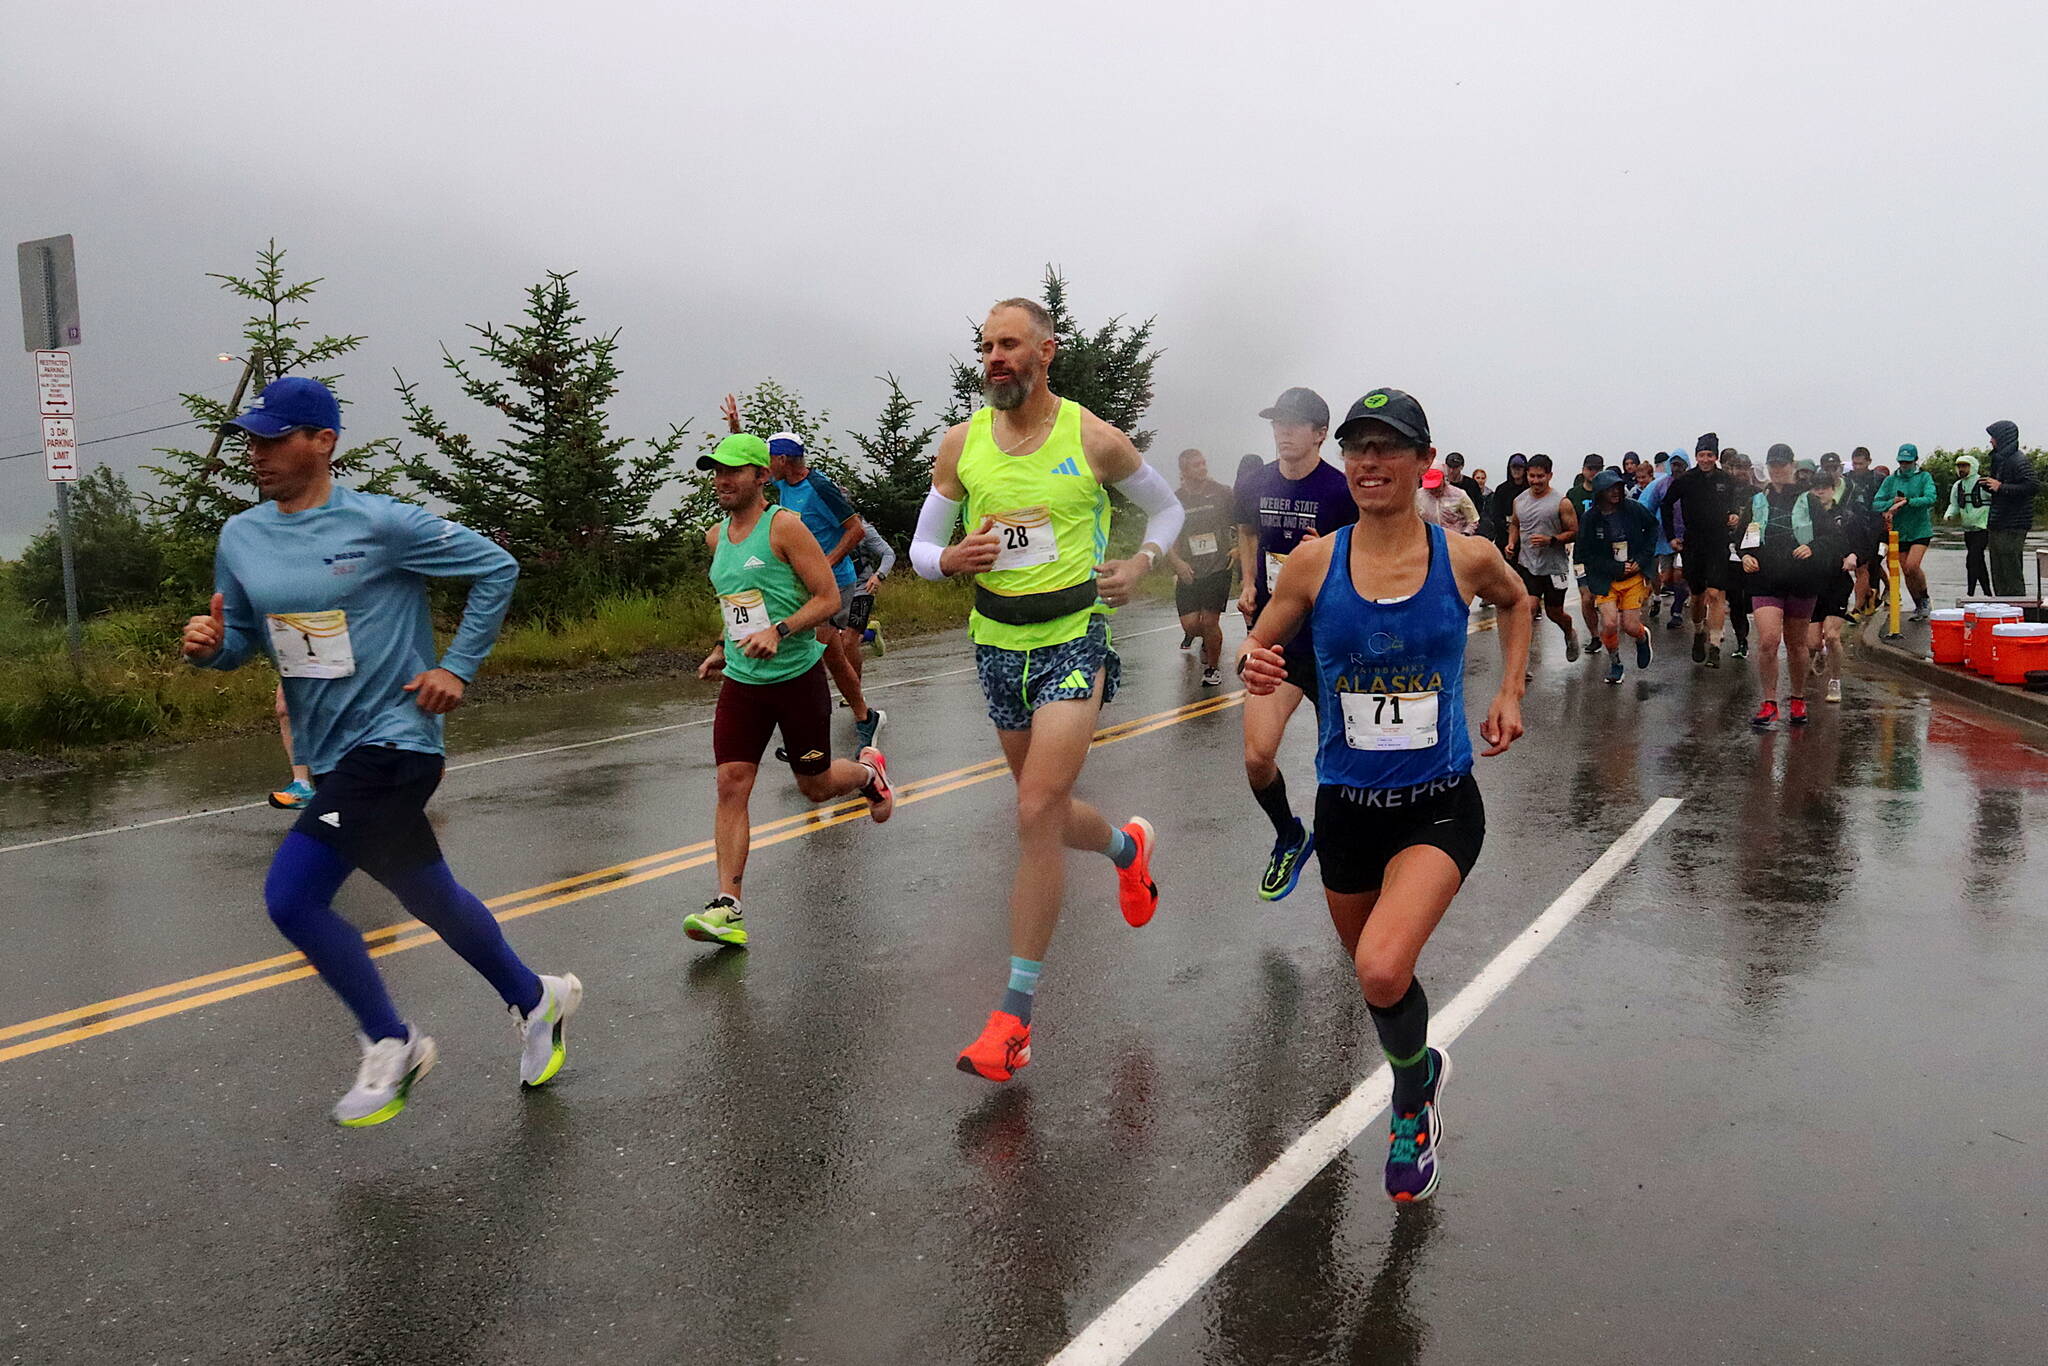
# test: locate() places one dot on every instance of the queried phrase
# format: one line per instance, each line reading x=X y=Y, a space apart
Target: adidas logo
x=332 y=818
x=1066 y=466
x=1076 y=679
x=754 y=562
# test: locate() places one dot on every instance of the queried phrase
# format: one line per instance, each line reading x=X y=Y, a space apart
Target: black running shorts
x=1205 y=593
x=371 y=808
x=1708 y=566
x=1359 y=830
x=1542 y=587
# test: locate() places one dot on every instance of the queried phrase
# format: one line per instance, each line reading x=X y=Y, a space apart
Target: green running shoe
x=718 y=923
x=1283 y=870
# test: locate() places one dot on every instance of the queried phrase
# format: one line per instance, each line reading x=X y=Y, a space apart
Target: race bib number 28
x=1027 y=538
x=1389 y=721
x=311 y=644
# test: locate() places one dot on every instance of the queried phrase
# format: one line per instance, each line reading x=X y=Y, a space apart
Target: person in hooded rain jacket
x=1969 y=502
x=2012 y=486
x=1906 y=499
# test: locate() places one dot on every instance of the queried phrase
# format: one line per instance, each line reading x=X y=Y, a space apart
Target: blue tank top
x=1392 y=676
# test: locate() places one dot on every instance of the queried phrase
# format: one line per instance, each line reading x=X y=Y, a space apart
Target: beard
x=1008 y=394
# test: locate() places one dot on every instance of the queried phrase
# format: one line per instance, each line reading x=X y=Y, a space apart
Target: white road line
x=474 y=763
x=1124 y=1327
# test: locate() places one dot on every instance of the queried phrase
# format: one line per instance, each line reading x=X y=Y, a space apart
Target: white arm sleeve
x=935 y=523
x=1154 y=497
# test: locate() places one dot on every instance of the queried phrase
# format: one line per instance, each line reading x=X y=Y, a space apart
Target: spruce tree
x=558 y=489
x=900 y=453
x=200 y=489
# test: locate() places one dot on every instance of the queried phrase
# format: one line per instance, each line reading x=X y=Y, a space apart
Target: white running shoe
x=541 y=1050
x=385 y=1079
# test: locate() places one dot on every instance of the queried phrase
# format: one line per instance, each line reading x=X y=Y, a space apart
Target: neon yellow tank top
x=1054 y=521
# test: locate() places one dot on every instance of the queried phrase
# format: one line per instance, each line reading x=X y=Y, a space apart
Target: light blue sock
x=1122 y=849
x=1023 y=987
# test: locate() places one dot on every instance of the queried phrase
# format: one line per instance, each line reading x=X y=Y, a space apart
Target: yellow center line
x=116 y=1013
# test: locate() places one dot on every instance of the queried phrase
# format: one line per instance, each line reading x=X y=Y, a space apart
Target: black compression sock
x=1404 y=1037
x=1272 y=799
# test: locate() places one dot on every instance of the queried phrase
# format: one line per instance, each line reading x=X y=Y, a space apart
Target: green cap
x=736 y=452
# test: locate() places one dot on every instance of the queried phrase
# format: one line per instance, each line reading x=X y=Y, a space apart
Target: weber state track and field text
x=1584 y=767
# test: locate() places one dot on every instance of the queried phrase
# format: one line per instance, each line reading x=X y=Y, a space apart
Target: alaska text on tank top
x=1392 y=677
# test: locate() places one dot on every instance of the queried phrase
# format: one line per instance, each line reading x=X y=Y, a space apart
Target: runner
x=1697 y=515
x=1540 y=533
x=1906 y=501
x=1613 y=543
x=1581 y=495
x=1201 y=560
x=300 y=790
x=773 y=588
x=1454 y=474
x=1834 y=575
x=1294 y=500
x=1670 y=583
x=1398 y=812
x=1500 y=504
x=1969 y=502
x=1740 y=584
x=1857 y=496
x=1442 y=503
x=1777 y=548
x=872 y=560
x=1029 y=472
x=829 y=514
x=332 y=585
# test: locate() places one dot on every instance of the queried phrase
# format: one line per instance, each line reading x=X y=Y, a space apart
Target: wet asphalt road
x=1775 y=1095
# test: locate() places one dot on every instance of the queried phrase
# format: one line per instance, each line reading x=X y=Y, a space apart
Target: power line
x=102 y=440
x=140 y=407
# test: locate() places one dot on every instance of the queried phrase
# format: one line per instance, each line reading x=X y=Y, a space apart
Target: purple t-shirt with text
x=1281 y=509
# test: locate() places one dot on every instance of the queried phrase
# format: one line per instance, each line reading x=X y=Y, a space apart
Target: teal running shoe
x=1283 y=870
x=292 y=798
x=1412 y=1139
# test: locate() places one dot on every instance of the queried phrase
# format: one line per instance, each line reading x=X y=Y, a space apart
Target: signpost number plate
x=60 y=448
x=53 y=384
x=49 y=293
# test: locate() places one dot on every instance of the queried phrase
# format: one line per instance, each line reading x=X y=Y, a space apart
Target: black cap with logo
x=1392 y=407
x=1299 y=405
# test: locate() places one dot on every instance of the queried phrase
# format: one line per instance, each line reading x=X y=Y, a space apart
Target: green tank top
x=1053 y=518
x=756 y=589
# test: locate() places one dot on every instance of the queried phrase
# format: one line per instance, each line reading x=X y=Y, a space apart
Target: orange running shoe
x=881 y=796
x=1136 y=892
x=1003 y=1048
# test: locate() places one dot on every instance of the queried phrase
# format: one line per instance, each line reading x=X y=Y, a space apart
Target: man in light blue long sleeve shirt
x=331 y=584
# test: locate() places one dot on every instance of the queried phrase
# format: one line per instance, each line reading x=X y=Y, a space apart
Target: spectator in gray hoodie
x=2012 y=486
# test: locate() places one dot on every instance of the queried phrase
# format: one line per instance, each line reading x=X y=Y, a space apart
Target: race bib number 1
x=1386 y=721
x=1027 y=538
x=745 y=613
x=312 y=644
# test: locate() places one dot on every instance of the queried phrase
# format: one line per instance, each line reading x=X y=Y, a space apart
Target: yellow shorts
x=1631 y=594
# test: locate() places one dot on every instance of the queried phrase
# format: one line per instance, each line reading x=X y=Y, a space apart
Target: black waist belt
x=1029 y=609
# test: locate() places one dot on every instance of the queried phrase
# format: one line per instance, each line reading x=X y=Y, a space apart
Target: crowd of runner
x=1359 y=582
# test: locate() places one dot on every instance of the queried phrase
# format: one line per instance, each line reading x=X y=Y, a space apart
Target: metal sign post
x=49 y=320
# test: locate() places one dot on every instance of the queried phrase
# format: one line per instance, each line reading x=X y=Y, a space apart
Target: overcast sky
x=1571 y=227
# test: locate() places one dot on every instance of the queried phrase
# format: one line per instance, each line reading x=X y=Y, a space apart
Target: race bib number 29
x=746 y=612
x=311 y=644
x=1389 y=721
x=1026 y=537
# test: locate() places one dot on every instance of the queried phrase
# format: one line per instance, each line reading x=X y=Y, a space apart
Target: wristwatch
x=782 y=629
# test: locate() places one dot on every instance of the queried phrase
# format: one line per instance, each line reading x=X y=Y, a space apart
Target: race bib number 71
x=311 y=644
x=1389 y=720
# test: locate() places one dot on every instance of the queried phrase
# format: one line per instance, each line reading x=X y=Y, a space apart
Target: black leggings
x=1975 y=566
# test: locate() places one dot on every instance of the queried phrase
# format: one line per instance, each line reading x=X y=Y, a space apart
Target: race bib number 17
x=311 y=644
x=1389 y=721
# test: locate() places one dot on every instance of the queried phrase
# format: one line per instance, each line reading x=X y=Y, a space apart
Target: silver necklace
x=1028 y=436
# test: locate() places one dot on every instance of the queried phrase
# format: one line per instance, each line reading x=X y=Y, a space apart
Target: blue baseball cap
x=785 y=443
x=288 y=404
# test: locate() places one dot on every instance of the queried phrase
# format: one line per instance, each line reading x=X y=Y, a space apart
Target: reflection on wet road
x=1774 y=1094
